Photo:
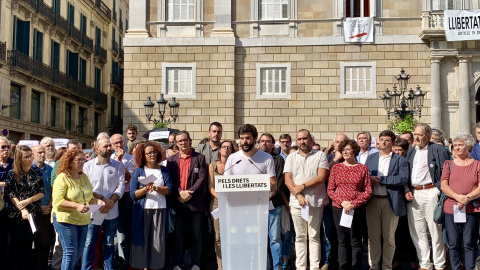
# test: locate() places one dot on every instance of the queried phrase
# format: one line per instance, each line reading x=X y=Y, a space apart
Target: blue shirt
x=4 y=171
x=47 y=172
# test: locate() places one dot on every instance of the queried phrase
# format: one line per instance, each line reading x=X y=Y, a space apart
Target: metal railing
x=45 y=10
x=3 y=51
x=35 y=68
x=61 y=22
x=103 y=8
x=87 y=42
x=117 y=81
x=101 y=53
x=101 y=98
x=114 y=47
x=30 y=3
x=75 y=33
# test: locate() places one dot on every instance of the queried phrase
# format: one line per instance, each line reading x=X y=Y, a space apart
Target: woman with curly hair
x=71 y=196
x=149 y=214
x=24 y=188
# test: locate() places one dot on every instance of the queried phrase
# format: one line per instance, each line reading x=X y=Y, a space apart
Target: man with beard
x=50 y=150
x=107 y=177
x=210 y=149
x=250 y=160
x=45 y=229
x=125 y=203
x=267 y=144
x=305 y=173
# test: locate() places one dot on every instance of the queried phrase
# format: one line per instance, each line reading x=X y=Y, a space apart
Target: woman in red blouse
x=349 y=188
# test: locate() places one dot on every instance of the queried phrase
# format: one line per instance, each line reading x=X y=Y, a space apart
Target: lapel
x=393 y=161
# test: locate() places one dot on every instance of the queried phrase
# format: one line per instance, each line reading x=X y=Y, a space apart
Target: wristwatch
x=304 y=187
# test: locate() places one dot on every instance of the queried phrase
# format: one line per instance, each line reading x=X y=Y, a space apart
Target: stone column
x=223 y=19
x=137 y=27
x=435 y=95
x=464 y=94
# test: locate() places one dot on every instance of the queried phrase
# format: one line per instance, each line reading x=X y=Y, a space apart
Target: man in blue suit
x=389 y=174
x=476 y=149
x=426 y=162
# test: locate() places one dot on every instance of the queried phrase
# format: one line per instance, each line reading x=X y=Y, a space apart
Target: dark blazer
x=437 y=154
x=197 y=179
x=475 y=154
x=397 y=177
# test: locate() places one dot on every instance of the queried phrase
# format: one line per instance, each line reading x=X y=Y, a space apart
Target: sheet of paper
x=459 y=216
x=216 y=213
x=97 y=218
x=304 y=212
x=270 y=205
x=32 y=223
x=93 y=208
x=147 y=180
x=346 y=219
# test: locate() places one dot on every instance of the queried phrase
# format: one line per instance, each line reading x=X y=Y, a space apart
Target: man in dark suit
x=189 y=176
x=389 y=175
x=426 y=162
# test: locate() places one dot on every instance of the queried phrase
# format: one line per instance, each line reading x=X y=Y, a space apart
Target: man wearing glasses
x=6 y=164
x=125 y=203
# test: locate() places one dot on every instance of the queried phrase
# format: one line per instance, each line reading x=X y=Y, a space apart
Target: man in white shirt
x=107 y=177
x=389 y=174
x=305 y=173
x=426 y=162
x=125 y=203
x=364 y=140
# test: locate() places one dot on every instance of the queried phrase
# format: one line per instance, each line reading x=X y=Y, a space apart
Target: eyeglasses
x=151 y=153
x=265 y=141
x=6 y=146
x=227 y=147
x=28 y=157
x=119 y=142
x=79 y=160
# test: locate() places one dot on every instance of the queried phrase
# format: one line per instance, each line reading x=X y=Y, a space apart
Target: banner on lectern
x=237 y=183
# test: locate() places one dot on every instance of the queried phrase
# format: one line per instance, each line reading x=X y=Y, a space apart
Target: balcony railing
x=101 y=53
x=432 y=25
x=117 y=121
x=117 y=81
x=3 y=51
x=103 y=8
x=29 y=3
x=120 y=53
x=101 y=98
x=114 y=47
x=45 y=10
x=61 y=22
x=75 y=33
x=87 y=42
x=35 y=68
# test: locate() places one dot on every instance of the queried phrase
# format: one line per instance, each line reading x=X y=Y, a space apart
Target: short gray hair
x=103 y=135
x=466 y=137
x=439 y=132
x=115 y=135
x=426 y=128
x=5 y=139
x=46 y=140
x=369 y=136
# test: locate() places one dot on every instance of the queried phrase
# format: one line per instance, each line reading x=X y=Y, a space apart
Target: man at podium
x=251 y=160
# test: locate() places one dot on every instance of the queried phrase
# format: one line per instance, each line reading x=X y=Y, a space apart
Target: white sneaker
x=195 y=267
x=177 y=268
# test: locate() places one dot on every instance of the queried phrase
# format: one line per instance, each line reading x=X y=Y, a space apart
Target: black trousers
x=4 y=241
x=350 y=239
x=193 y=222
x=43 y=240
x=21 y=237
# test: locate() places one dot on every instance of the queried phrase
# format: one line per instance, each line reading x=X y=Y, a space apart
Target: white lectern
x=243 y=206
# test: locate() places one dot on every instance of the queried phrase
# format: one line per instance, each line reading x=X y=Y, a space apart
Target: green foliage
x=399 y=125
x=160 y=125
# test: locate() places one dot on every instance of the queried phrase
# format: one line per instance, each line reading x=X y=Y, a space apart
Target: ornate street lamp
x=13 y=101
x=162 y=103
x=396 y=103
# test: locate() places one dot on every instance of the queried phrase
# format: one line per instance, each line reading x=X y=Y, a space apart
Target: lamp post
x=13 y=101
x=162 y=103
x=396 y=102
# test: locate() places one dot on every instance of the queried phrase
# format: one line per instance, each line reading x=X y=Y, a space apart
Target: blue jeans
x=462 y=237
x=287 y=241
x=329 y=237
x=72 y=237
x=109 y=228
x=275 y=235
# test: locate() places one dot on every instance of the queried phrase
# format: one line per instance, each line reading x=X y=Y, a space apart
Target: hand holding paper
x=459 y=215
x=93 y=208
x=147 y=180
x=346 y=219
x=305 y=211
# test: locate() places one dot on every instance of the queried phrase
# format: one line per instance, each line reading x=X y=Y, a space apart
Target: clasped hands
x=22 y=204
x=375 y=180
x=185 y=196
x=347 y=206
x=462 y=200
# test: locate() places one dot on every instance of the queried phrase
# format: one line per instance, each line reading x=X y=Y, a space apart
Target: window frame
x=68 y=116
x=373 y=79
x=35 y=113
x=171 y=3
x=272 y=3
x=362 y=9
x=288 y=75
x=53 y=111
x=166 y=66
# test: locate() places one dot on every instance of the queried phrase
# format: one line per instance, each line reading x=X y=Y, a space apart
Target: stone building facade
x=283 y=65
x=64 y=60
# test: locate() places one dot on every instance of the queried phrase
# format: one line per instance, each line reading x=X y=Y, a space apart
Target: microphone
x=233 y=165
x=251 y=162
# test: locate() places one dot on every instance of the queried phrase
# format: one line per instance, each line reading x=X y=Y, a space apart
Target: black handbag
x=438 y=213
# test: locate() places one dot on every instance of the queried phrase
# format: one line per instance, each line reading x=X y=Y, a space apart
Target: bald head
x=117 y=142
x=103 y=147
x=339 y=138
x=39 y=155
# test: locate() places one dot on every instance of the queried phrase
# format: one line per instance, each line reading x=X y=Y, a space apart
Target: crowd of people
x=411 y=198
